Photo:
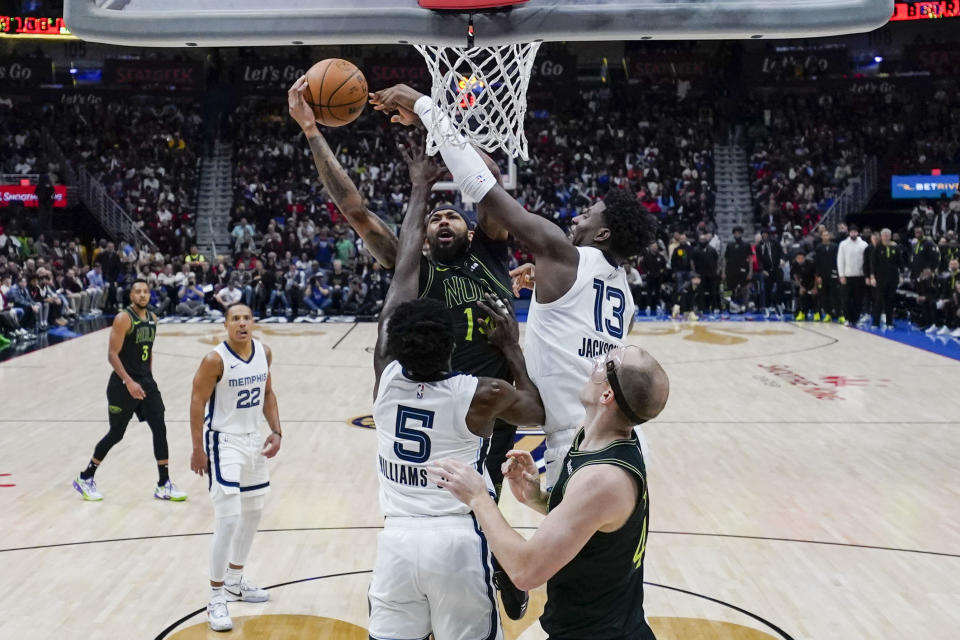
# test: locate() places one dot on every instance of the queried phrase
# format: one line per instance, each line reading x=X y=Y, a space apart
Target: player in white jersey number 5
x=230 y=391
x=582 y=306
x=433 y=570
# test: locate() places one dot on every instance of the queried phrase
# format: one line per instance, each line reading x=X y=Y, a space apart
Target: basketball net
x=483 y=91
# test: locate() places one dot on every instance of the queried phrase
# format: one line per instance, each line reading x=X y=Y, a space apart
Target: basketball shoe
x=218 y=617
x=169 y=491
x=88 y=489
x=245 y=592
x=514 y=600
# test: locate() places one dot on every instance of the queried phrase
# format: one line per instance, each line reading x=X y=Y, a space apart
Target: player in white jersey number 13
x=433 y=570
x=582 y=305
x=231 y=390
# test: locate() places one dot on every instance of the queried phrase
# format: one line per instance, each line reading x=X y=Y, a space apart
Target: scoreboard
x=33 y=27
x=925 y=10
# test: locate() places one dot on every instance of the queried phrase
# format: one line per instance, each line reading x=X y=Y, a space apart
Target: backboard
x=183 y=23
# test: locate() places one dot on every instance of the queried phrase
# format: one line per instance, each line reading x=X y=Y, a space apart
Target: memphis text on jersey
x=405 y=474
x=248 y=380
x=591 y=347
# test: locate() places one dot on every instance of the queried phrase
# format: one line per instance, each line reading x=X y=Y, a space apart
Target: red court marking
x=6 y=475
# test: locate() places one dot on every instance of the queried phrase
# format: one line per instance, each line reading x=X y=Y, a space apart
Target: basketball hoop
x=483 y=92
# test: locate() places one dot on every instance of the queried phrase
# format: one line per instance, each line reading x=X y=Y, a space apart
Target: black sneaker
x=514 y=601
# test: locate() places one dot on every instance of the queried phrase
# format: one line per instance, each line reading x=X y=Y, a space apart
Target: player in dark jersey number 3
x=132 y=390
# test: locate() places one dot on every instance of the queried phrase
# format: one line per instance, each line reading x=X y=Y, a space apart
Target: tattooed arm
x=377 y=236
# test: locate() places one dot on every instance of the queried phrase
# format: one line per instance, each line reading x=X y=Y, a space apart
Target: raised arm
x=545 y=239
x=424 y=172
x=377 y=236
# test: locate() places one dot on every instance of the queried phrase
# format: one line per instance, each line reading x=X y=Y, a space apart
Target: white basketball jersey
x=564 y=336
x=237 y=401
x=419 y=423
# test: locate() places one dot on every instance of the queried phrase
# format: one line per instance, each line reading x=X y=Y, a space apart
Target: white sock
x=233 y=576
x=223 y=532
x=216 y=593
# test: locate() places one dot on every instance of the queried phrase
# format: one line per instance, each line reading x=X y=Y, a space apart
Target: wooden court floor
x=804 y=482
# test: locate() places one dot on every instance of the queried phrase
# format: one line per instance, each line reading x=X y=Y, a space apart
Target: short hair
x=226 y=312
x=420 y=335
x=631 y=227
x=136 y=280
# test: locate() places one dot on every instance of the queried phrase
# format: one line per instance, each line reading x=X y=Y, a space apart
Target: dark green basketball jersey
x=599 y=594
x=137 y=349
x=459 y=286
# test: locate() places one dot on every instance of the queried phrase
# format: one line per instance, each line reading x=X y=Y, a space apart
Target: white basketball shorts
x=235 y=467
x=433 y=574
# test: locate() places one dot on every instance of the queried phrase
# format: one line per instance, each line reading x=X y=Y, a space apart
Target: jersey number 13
x=614 y=325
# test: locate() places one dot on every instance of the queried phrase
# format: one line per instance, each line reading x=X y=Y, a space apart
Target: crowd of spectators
x=144 y=153
x=804 y=148
x=292 y=254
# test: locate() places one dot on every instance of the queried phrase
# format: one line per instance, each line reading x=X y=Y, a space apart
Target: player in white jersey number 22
x=231 y=390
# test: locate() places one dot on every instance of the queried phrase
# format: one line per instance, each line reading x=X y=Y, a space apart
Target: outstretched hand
x=524 y=277
x=423 y=169
x=297 y=105
x=399 y=98
x=502 y=330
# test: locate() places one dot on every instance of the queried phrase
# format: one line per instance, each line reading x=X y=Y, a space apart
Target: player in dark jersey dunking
x=466 y=262
x=591 y=546
x=132 y=390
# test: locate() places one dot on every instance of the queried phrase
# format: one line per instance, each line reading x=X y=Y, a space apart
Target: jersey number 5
x=600 y=323
x=248 y=398
x=419 y=449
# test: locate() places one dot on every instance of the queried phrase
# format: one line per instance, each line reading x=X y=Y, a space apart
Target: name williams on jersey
x=403 y=474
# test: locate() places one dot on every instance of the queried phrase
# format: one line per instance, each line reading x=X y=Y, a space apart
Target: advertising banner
x=923 y=186
x=24 y=72
x=10 y=193
x=164 y=73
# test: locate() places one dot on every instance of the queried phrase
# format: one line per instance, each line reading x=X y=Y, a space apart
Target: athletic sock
x=233 y=576
x=216 y=593
x=163 y=471
x=91 y=469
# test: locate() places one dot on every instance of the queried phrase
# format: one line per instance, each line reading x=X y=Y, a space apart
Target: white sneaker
x=245 y=592
x=218 y=617
x=956 y=333
x=169 y=491
x=944 y=331
x=88 y=489
x=932 y=329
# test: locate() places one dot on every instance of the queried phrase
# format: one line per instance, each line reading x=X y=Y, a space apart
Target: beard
x=448 y=253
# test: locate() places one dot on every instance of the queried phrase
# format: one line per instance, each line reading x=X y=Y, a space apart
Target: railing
x=94 y=196
x=110 y=214
x=854 y=198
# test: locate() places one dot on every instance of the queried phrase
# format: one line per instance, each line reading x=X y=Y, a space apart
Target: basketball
x=338 y=92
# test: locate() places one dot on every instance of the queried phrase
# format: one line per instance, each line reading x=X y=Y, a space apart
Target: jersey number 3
x=248 y=398
x=615 y=328
x=418 y=449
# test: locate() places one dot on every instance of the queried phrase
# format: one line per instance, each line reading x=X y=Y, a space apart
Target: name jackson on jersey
x=591 y=347
x=403 y=474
